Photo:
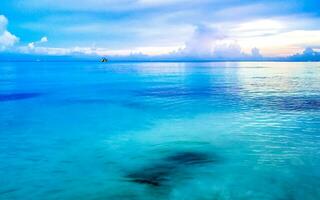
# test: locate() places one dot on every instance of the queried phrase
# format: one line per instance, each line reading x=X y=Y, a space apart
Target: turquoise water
x=229 y=131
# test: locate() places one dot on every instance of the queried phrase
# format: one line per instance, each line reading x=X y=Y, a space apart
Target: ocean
x=160 y=130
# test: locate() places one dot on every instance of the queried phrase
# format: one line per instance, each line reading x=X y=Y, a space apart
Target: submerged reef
x=161 y=172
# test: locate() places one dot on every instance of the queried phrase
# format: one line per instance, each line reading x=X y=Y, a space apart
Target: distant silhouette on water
x=104 y=60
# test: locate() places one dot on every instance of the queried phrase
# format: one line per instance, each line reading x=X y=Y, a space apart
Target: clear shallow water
x=160 y=131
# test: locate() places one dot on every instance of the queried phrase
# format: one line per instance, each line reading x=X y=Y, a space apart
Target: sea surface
x=153 y=131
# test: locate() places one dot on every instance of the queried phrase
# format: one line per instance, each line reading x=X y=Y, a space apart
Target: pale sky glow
x=272 y=38
x=203 y=29
x=282 y=44
x=259 y=27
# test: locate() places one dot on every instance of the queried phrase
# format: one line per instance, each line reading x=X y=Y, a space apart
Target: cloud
x=63 y=51
x=43 y=39
x=309 y=54
x=131 y=24
x=255 y=53
x=206 y=42
x=3 y=23
x=211 y=43
x=32 y=45
x=225 y=50
x=277 y=41
x=176 y=29
x=201 y=43
x=7 y=39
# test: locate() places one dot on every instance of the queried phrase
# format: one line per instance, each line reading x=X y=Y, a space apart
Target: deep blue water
x=185 y=131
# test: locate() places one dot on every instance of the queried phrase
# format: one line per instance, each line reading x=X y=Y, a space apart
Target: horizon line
x=167 y=61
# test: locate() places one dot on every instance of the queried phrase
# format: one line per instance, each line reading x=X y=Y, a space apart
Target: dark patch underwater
x=19 y=96
x=160 y=173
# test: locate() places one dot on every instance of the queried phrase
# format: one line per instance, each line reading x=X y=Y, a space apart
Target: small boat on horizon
x=104 y=60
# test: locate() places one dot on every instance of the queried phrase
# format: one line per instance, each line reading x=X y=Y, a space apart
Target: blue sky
x=204 y=28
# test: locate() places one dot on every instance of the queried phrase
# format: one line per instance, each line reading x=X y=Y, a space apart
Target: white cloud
x=32 y=45
x=283 y=44
x=7 y=39
x=201 y=42
x=151 y=25
x=211 y=43
x=255 y=52
x=277 y=36
x=227 y=50
x=43 y=39
x=206 y=42
x=259 y=28
x=3 y=23
x=147 y=51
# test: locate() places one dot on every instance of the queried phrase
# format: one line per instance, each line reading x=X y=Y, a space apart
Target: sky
x=204 y=29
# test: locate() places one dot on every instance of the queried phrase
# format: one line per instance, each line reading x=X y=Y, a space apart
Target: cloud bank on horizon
x=173 y=29
x=7 y=39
